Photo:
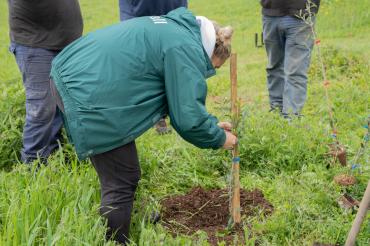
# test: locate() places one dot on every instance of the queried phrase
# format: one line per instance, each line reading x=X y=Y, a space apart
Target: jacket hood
x=184 y=17
x=208 y=33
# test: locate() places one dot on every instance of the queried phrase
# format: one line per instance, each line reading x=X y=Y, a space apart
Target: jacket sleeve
x=186 y=90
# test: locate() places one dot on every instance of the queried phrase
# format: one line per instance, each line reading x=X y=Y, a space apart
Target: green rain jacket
x=117 y=82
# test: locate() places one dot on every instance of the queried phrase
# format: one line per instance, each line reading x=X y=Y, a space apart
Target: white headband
x=208 y=34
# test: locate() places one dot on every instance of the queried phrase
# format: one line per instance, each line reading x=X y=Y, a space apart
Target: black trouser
x=119 y=174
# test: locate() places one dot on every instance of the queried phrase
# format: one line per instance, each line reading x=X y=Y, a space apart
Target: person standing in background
x=130 y=9
x=288 y=42
x=39 y=30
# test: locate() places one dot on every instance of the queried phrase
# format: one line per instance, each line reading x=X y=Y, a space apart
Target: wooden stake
x=361 y=214
x=235 y=200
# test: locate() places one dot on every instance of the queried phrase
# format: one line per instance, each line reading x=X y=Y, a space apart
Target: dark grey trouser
x=288 y=41
x=119 y=174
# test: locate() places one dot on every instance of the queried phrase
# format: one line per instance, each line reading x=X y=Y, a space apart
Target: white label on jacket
x=158 y=20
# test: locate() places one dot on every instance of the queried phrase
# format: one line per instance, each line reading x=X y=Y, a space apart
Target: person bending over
x=117 y=82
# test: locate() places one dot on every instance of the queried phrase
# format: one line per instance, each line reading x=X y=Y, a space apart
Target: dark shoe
x=290 y=117
x=162 y=128
x=155 y=217
x=287 y=117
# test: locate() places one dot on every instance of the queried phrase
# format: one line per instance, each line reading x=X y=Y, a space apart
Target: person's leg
x=119 y=174
x=274 y=44
x=43 y=122
x=298 y=49
x=124 y=10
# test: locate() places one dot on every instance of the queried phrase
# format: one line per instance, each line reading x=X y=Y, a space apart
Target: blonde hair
x=223 y=41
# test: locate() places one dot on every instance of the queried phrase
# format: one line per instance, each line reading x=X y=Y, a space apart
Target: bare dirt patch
x=345 y=180
x=209 y=211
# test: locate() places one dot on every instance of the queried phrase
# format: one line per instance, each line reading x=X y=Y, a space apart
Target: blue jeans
x=288 y=41
x=43 y=123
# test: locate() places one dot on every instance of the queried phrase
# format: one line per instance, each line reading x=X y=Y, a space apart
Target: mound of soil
x=345 y=180
x=209 y=211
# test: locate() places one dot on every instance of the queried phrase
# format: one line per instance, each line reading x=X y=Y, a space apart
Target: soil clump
x=345 y=180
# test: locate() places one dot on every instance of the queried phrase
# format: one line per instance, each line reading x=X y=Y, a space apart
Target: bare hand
x=231 y=140
x=225 y=125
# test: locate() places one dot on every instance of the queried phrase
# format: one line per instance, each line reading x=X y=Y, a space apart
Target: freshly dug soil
x=209 y=211
x=345 y=180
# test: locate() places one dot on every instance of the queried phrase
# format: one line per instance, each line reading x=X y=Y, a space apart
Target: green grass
x=58 y=205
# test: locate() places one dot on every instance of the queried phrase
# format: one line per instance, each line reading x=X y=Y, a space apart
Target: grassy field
x=58 y=205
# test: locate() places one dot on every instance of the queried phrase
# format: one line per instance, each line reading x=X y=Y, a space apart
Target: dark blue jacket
x=136 y=8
